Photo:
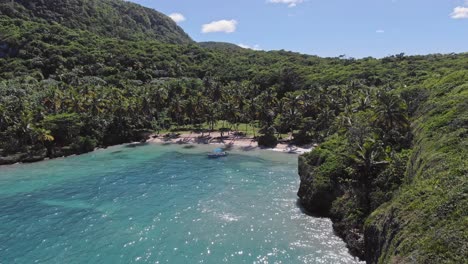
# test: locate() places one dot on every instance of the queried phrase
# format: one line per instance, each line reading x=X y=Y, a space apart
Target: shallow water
x=161 y=204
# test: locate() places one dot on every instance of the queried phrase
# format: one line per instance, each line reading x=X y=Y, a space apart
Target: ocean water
x=161 y=204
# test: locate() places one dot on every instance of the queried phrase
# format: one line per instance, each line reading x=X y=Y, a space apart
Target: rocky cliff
x=424 y=220
x=317 y=194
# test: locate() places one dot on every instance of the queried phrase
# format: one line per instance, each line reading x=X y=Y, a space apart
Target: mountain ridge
x=111 y=18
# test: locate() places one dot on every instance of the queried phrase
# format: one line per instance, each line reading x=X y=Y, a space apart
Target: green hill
x=111 y=18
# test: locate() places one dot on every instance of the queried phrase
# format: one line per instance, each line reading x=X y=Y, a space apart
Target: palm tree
x=268 y=102
x=364 y=99
x=369 y=157
x=73 y=101
x=390 y=112
x=251 y=114
x=291 y=112
x=201 y=105
x=177 y=108
x=211 y=114
x=53 y=101
x=159 y=98
x=43 y=135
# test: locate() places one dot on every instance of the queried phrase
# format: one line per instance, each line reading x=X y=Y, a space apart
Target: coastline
x=213 y=138
x=228 y=141
x=207 y=197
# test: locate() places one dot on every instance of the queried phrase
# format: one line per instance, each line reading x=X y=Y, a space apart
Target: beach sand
x=228 y=140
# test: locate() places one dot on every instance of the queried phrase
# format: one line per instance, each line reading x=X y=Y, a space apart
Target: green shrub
x=84 y=144
x=268 y=141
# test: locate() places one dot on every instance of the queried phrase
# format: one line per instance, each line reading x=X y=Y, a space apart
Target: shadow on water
x=248 y=148
x=228 y=147
x=135 y=145
x=306 y=212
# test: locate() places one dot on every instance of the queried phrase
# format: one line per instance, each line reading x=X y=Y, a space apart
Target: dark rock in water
x=134 y=145
x=31 y=159
x=12 y=159
x=63 y=152
x=35 y=156
x=32 y=155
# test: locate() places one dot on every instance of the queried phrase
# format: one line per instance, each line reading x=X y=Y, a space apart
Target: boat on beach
x=217 y=153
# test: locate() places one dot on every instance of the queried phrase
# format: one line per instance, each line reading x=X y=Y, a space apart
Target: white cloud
x=254 y=47
x=380 y=31
x=290 y=3
x=459 y=12
x=226 y=26
x=177 y=17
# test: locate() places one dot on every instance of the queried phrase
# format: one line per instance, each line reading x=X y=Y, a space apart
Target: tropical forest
x=389 y=165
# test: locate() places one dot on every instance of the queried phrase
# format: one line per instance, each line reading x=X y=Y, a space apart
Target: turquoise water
x=160 y=204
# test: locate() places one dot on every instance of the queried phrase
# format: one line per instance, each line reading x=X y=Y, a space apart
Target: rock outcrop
x=317 y=194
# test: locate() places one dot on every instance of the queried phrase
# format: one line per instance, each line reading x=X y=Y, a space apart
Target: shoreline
x=214 y=138
x=228 y=141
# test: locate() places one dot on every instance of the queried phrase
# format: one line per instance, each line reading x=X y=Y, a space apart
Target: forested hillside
x=223 y=46
x=391 y=166
x=394 y=178
x=111 y=18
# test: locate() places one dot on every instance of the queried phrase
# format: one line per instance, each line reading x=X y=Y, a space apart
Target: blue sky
x=355 y=28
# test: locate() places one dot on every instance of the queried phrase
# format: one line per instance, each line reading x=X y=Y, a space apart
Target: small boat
x=217 y=153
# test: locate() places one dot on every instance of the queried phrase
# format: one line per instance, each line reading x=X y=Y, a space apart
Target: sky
x=327 y=28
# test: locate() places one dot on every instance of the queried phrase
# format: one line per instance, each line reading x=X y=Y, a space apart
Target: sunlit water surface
x=161 y=204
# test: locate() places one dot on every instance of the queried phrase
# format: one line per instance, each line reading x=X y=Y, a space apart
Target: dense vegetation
x=433 y=201
x=394 y=198
x=110 y=18
x=391 y=166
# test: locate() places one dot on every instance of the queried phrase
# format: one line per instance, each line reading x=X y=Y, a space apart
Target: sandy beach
x=228 y=141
